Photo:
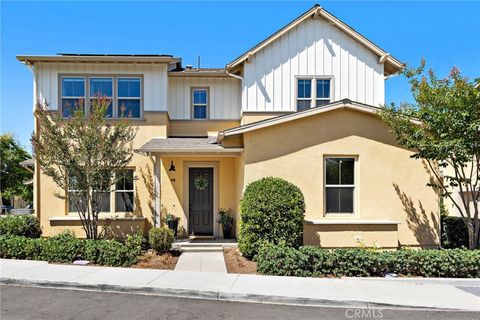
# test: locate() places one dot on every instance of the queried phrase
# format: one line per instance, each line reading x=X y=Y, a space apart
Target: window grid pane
x=304 y=88
x=200 y=103
x=323 y=88
x=101 y=87
x=124 y=193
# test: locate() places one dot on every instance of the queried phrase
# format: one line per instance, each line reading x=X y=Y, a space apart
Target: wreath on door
x=200 y=182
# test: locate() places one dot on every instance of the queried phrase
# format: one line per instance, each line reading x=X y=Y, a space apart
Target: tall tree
x=443 y=128
x=12 y=174
x=85 y=154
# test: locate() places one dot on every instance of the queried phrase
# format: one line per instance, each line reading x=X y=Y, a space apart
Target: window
x=102 y=87
x=200 y=103
x=304 y=94
x=72 y=191
x=124 y=192
x=323 y=92
x=129 y=97
x=339 y=185
x=101 y=198
x=73 y=96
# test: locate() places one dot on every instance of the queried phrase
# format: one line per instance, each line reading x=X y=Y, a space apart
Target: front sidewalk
x=457 y=294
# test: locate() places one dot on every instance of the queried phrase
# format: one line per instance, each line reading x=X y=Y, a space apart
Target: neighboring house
x=301 y=105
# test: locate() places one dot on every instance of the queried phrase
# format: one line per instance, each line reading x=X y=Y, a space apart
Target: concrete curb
x=217 y=295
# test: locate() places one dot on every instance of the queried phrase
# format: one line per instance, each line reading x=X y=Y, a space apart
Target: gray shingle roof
x=184 y=144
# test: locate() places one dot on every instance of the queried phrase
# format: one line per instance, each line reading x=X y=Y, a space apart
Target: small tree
x=12 y=174
x=84 y=154
x=443 y=129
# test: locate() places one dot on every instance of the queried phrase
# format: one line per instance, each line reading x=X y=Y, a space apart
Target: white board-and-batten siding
x=313 y=48
x=154 y=80
x=224 y=97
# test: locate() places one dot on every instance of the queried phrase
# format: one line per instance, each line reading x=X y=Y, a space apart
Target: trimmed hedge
x=20 y=225
x=454 y=233
x=310 y=261
x=272 y=211
x=65 y=248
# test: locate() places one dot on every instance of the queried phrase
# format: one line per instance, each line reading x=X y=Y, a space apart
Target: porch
x=194 y=178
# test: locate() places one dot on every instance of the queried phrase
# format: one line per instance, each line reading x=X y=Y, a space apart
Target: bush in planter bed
x=314 y=261
x=66 y=248
x=160 y=239
x=20 y=225
x=272 y=211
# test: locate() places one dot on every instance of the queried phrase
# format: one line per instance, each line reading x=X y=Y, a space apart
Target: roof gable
x=391 y=64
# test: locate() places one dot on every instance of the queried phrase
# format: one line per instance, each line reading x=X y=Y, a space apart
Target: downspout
x=36 y=175
x=241 y=86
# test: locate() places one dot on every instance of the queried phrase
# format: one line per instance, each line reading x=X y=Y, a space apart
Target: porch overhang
x=182 y=146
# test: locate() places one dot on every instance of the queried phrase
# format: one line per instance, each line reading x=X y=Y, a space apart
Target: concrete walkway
x=444 y=294
x=201 y=261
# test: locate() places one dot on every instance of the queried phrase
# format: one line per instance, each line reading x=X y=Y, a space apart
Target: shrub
x=160 y=239
x=18 y=247
x=272 y=211
x=314 y=261
x=286 y=261
x=20 y=225
x=66 y=248
x=454 y=232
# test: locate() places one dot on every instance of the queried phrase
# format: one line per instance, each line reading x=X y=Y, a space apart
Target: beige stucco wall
x=50 y=207
x=389 y=184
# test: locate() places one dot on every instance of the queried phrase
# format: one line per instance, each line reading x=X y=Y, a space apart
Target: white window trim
x=114 y=196
x=313 y=98
x=206 y=105
x=113 y=191
x=355 y=187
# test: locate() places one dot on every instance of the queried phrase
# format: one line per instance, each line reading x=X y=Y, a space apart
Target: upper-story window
x=323 y=92
x=200 y=103
x=304 y=94
x=320 y=88
x=123 y=93
x=73 y=95
x=102 y=87
x=129 y=97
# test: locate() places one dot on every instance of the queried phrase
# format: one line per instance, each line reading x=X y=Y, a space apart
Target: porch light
x=172 y=167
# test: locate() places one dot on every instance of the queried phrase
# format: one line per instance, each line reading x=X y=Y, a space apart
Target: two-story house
x=301 y=105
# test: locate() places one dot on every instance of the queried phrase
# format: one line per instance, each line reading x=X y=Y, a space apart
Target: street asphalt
x=19 y=302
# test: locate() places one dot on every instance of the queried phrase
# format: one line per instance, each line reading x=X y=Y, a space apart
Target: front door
x=201 y=201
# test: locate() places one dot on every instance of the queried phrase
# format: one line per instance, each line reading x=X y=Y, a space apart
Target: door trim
x=186 y=191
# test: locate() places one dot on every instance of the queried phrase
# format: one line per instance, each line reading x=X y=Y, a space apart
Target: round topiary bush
x=272 y=211
x=160 y=239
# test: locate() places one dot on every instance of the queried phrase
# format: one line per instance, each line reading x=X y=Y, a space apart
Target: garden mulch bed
x=151 y=260
x=237 y=263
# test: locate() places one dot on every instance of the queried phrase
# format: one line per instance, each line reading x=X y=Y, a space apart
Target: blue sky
x=445 y=33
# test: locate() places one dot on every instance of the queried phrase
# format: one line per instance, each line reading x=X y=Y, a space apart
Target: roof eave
x=317 y=11
x=30 y=59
